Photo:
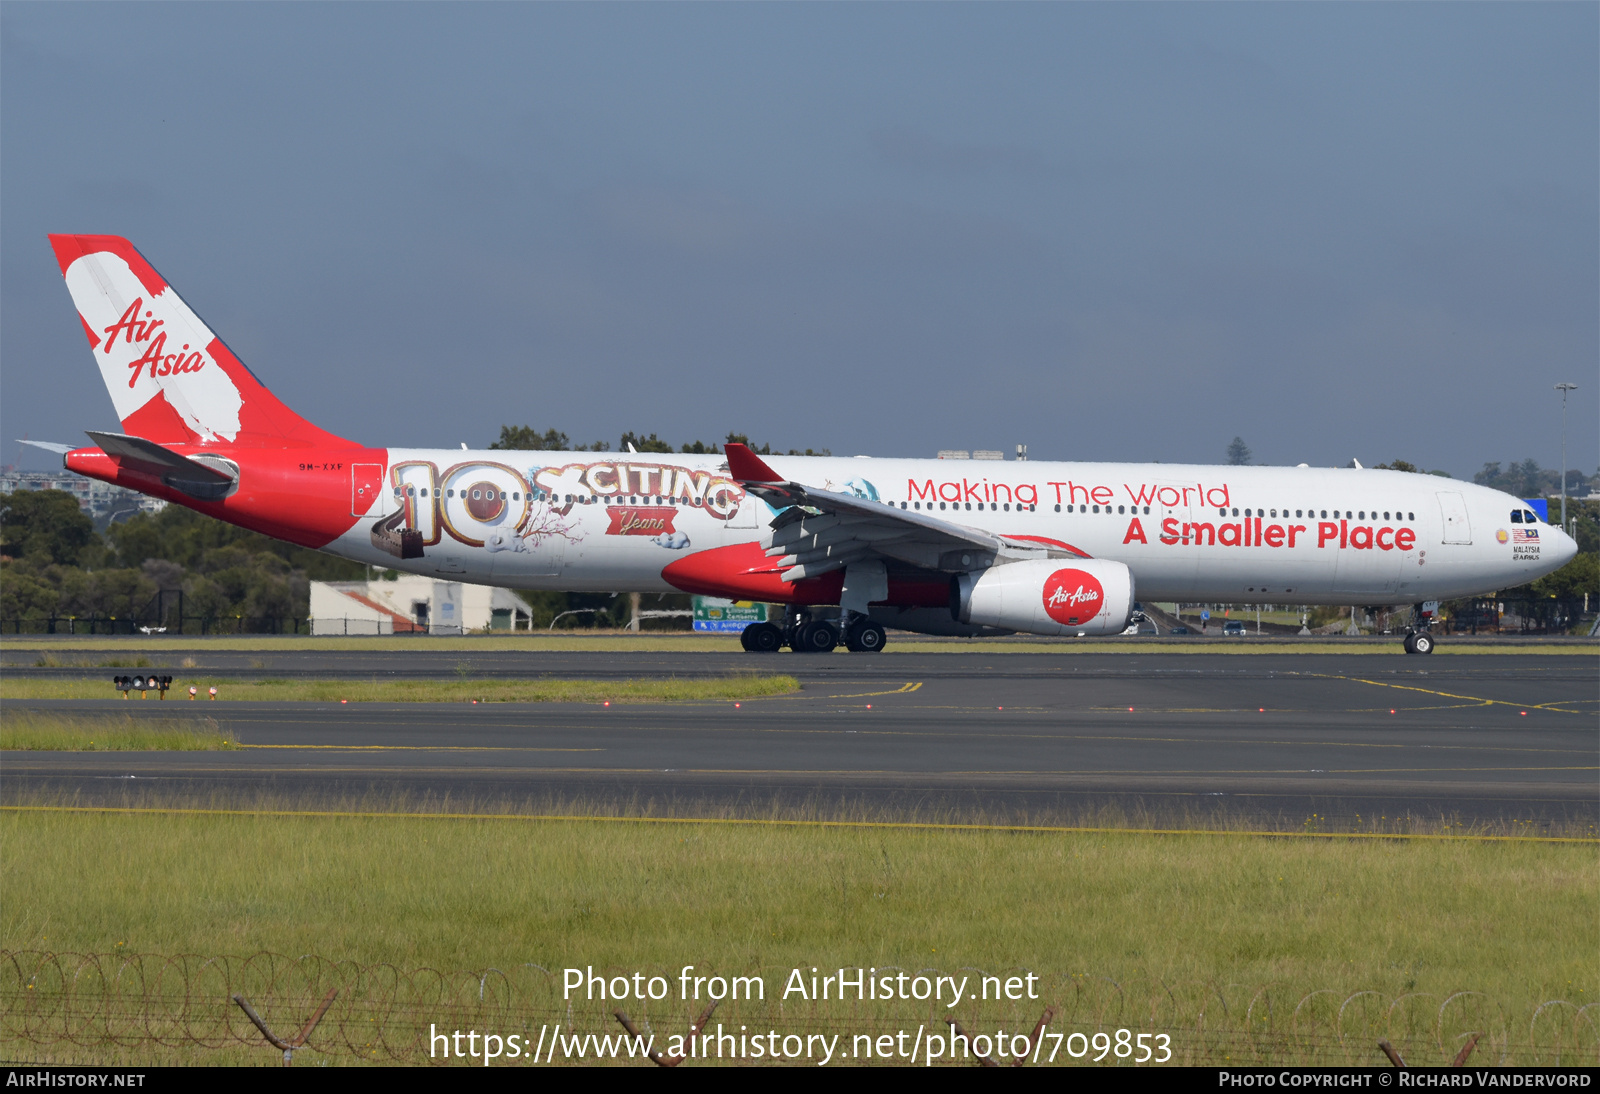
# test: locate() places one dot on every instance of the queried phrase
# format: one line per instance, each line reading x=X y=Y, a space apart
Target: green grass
x=669 y=690
x=1233 y=943
x=32 y=731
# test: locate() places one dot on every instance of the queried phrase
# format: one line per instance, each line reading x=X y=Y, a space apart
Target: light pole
x=1564 y=388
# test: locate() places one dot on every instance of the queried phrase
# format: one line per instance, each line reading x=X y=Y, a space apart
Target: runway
x=1281 y=739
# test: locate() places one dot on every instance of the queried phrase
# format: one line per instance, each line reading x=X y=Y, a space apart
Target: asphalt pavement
x=1284 y=739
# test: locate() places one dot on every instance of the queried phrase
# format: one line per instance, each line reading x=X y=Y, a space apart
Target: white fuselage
x=611 y=522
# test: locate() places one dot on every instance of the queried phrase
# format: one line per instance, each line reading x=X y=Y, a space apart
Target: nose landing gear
x=1418 y=638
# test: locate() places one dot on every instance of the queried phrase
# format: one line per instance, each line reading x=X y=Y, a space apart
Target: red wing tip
x=745 y=466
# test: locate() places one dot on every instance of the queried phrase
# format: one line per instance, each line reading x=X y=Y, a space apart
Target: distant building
x=99 y=499
x=413 y=604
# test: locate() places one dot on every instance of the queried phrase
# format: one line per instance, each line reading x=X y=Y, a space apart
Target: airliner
x=849 y=546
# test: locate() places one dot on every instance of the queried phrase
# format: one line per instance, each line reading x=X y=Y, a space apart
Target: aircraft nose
x=1566 y=547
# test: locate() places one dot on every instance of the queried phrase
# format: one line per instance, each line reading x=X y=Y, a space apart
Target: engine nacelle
x=1047 y=596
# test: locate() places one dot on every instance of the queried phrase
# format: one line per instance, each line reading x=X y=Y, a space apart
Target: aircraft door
x=366 y=489
x=1453 y=510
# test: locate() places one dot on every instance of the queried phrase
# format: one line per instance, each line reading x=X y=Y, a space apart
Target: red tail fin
x=172 y=380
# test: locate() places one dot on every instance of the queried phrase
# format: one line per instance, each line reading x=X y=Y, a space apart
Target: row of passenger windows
x=535 y=495
x=996 y=505
x=1302 y=514
x=412 y=491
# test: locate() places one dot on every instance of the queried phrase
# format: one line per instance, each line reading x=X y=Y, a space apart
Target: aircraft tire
x=816 y=637
x=865 y=637
x=1422 y=643
x=762 y=638
x=744 y=639
x=1409 y=643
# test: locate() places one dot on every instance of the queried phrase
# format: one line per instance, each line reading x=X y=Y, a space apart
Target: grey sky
x=1121 y=231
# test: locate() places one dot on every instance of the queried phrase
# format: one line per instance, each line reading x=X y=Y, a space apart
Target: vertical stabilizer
x=172 y=380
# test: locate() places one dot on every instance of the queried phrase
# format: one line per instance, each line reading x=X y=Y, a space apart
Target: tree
x=1238 y=452
x=642 y=443
x=44 y=524
x=525 y=438
x=1406 y=465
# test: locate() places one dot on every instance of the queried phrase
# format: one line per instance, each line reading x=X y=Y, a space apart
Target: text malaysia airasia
x=849 y=546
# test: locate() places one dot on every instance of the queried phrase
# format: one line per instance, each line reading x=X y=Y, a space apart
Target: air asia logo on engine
x=1072 y=597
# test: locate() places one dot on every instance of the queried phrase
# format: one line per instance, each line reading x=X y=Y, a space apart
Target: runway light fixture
x=213 y=693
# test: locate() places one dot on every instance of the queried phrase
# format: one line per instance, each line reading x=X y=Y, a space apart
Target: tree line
x=55 y=563
x=525 y=438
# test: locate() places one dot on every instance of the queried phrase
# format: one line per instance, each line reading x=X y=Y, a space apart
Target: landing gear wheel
x=1422 y=643
x=1409 y=643
x=865 y=637
x=816 y=637
x=761 y=638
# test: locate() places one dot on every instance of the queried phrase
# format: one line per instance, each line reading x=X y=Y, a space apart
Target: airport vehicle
x=1233 y=629
x=849 y=546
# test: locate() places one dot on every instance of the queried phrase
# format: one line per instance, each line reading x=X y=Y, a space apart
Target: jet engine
x=1089 y=596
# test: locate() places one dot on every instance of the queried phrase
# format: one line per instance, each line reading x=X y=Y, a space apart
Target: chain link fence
x=127 y=1008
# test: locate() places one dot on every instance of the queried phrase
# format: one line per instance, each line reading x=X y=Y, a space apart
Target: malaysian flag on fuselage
x=1524 y=535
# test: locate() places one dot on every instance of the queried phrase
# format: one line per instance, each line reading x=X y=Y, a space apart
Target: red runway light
x=344 y=700
x=1130 y=710
x=1261 y=710
x=606 y=703
x=1523 y=713
x=869 y=706
x=736 y=706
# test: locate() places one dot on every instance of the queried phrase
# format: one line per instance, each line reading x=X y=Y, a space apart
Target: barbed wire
x=130 y=1007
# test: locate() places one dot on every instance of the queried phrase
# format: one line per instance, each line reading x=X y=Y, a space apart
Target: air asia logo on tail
x=149 y=344
x=1072 y=597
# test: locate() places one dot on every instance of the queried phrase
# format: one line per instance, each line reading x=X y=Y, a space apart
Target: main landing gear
x=1418 y=638
x=804 y=633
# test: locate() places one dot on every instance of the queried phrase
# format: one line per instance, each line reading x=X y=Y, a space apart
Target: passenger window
x=1008 y=507
x=1096 y=508
x=1058 y=507
x=941 y=505
x=411 y=491
x=1235 y=513
x=1119 y=508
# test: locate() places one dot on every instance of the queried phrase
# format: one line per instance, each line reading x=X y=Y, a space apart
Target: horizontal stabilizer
x=49 y=446
x=194 y=478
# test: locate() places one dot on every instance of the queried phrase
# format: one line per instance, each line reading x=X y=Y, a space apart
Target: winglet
x=745 y=466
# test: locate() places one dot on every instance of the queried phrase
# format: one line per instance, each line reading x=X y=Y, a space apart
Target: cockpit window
x=1516 y=516
x=1529 y=517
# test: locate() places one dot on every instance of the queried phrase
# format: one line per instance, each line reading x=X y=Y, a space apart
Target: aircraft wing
x=819 y=531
